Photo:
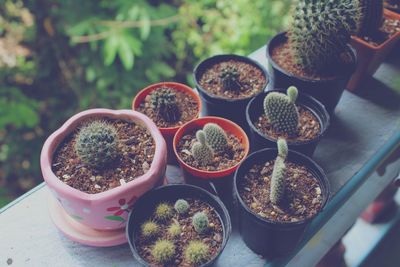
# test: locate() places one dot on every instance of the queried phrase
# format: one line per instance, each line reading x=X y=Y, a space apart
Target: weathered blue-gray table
x=363 y=133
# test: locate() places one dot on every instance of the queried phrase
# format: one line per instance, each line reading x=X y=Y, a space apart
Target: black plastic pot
x=232 y=109
x=328 y=91
x=265 y=237
x=145 y=205
x=258 y=140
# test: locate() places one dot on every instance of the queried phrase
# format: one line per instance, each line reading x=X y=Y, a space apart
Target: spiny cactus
x=150 y=229
x=230 y=79
x=371 y=16
x=321 y=30
x=216 y=137
x=163 y=251
x=181 y=206
x=277 y=189
x=174 y=230
x=281 y=110
x=96 y=144
x=163 y=212
x=163 y=101
x=200 y=222
x=201 y=151
x=197 y=252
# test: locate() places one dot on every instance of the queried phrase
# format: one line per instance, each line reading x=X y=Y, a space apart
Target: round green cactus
x=96 y=144
x=163 y=101
x=201 y=151
x=200 y=222
x=163 y=251
x=174 y=230
x=150 y=229
x=181 y=206
x=164 y=212
x=282 y=112
x=197 y=252
x=216 y=137
x=277 y=189
x=230 y=79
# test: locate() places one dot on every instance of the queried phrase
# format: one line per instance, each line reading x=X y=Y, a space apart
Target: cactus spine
x=277 y=190
x=371 y=16
x=230 y=79
x=201 y=151
x=216 y=137
x=163 y=101
x=281 y=110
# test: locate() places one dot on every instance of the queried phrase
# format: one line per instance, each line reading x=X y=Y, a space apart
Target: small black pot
x=327 y=91
x=212 y=105
x=258 y=140
x=144 y=206
x=270 y=238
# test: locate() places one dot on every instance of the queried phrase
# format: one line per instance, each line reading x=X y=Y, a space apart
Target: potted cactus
x=226 y=83
x=96 y=165
x=378 y=35
x=210 y=149
x=169 y=105
x=178 y=225
x=300 y=119
x=279 y=192
x=314 y=55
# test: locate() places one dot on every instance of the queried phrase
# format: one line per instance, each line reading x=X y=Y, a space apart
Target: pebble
x=145 y=166
x=218 y=237
x=99 y=177
x=211 y=225
x=66 y=177
x=97 y=186
x=253 y=205
x=92 y=178
x=318 y=190
x=273 y=213
x=247 y=189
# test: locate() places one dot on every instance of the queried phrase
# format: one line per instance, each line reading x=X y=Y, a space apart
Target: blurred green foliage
x=58 y=57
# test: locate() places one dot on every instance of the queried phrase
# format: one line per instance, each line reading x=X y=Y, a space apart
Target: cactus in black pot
x=230 y=79
x=277 y=190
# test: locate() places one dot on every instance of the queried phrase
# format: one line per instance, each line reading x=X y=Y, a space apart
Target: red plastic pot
x=370 y=57
x=168 y=133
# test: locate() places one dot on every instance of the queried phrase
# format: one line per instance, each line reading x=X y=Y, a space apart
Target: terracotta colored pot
x=106 y=210
x=370 y=57
x=168 y=133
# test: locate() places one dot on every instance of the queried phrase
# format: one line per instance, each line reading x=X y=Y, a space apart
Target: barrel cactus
x=163 y=251
x=216 y=137
x=281 y=111
x=96 y=144
x=163 y=101
x=277 y=190
x=181 y=206
x=196 y=252
x=201 y=151
x=371 y=16
x=230 y=79
x=163 y=212
x=321 y=30
x=200 y=222
x=174 y=230
x=150 y=229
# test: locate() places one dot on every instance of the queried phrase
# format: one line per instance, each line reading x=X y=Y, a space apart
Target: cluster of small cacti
x=277 y=189
x=164 y=102
x=281 y=111
x=212 y=138
x=371 y=16
x=164 y=249
x=230 y=79
x=97 y=144
x=321 y=31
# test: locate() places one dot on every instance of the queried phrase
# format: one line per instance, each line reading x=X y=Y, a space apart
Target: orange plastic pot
x=167 y=133
x=370 y=57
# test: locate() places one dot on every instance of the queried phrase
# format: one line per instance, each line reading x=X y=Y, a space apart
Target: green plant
x=150 y=229
x=201 y=151
x=216 y=137
x=371 y=17
x=163 y=211
x=281 y=110
x=163 y=101
x=174 y=229
x=163 y=251
x=321 y=31
x=277 y=190
x=181 y=206
x=230 y=79
x=200 y=222
x=97 y=144
x=196 y=252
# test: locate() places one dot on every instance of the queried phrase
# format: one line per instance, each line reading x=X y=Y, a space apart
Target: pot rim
x=226 y=230
x=225 y=57
x=323 y=180
x=57 y=137
x=173 y=85
x=324 y=126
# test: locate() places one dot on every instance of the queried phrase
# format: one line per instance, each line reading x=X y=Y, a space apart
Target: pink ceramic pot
x=106 y=210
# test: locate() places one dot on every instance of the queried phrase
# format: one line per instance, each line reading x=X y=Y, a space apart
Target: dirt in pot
x=303 y=194
x=389 y=28
x=135 y=150
x=211 y=236
x=221 y=159
x=233 y=79
x=309 y=127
